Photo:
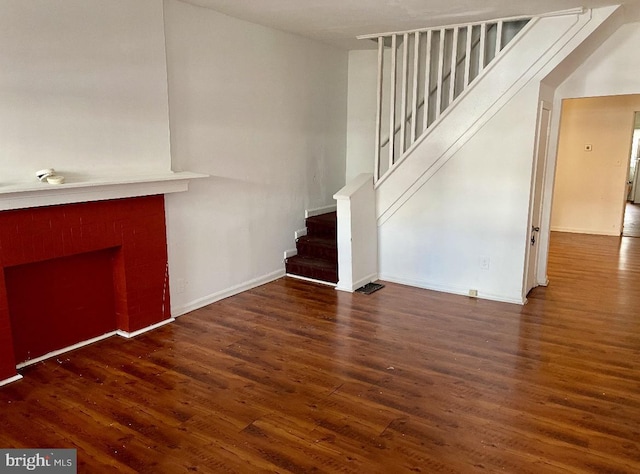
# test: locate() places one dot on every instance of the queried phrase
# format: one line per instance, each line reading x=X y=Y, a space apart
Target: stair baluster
x=429 y=83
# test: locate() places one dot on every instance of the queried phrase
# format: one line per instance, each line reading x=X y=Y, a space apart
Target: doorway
x=592 y=169
x=631 y=223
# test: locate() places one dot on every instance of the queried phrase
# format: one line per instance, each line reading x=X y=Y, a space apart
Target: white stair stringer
x=546 y=42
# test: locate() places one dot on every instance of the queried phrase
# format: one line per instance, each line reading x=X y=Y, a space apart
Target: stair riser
x=321 y=230
x=306 y=249
x=314 y=273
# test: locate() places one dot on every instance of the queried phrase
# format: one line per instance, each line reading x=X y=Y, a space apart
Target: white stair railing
x=421 y=73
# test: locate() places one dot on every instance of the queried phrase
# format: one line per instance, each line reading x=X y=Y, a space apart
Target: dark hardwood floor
x=297 y=377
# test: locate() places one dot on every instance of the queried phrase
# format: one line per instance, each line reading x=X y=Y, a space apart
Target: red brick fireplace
x=73 y=272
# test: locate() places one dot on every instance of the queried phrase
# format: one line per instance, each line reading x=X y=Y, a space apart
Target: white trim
x=572 y=230
x=467 y=57
x=65 y=349
x=453 y=66
x=129 y=335
x=347 y=192
x=453 y=290
x=379 y=94
x=415 y=84
x=118 y=332
x=310 y=280
x=319 y=210
x=498 y=38
x=427 y=86
x=441 y=60
x=393 y=98
x=75 y=189
x=403 y=93
x=572 y=11
x=357 y=284
x=300 y=233
x=290 y=253
x=15 y=378
x=177 y=311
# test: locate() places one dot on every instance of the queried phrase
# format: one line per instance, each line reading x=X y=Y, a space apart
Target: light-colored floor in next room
x=631 y=227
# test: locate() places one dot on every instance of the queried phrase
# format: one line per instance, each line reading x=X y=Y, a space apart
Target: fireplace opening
x=55 y=303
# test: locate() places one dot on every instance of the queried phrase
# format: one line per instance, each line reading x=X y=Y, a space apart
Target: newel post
x=357 y=234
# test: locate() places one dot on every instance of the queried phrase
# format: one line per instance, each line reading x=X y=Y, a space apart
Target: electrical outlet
x=473 y=293
x=485 y=262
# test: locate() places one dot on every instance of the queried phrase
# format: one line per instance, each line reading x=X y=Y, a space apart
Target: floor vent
x=369 y=288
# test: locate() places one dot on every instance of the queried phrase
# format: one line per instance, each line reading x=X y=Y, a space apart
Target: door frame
x=537 y=201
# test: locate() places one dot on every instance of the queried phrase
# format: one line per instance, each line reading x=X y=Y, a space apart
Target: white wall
x=264 y=113
x=474 y=208
x=361 y=116
x=83 y=88
x=613 y=69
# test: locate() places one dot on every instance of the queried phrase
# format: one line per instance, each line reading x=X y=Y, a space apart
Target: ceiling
x=338 y=22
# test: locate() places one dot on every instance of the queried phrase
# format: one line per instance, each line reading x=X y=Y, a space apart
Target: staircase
x=317 y=257
x=458 y=121
x=422 y=73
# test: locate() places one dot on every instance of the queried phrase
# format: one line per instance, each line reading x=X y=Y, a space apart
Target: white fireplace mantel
x=97 y=188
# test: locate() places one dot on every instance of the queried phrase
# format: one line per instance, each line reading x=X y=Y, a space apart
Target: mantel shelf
x=91 y=188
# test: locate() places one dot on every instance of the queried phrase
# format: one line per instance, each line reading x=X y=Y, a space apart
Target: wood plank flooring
x=631 y=225
x=297 y=377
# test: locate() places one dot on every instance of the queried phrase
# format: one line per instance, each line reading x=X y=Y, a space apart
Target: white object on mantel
x=43 y=174
x=55 y=179
x=96 y=188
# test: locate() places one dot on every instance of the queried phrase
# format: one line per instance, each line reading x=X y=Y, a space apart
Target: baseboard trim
x=72 y=347
x=290 y=253
x=571 y=230
x=118 y=332
x=15 y=378
x=300 y=233
x=178 y=311
x=361 y=282
x=310 y=280
x=320 y=210
x=129 y=335
x=453 y=290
